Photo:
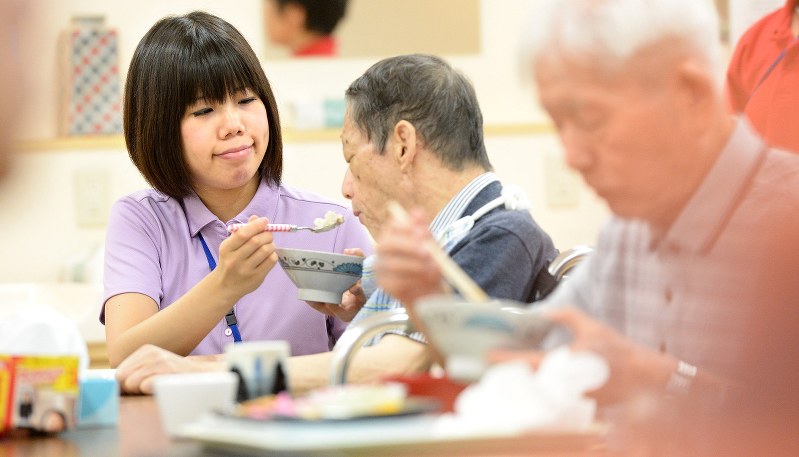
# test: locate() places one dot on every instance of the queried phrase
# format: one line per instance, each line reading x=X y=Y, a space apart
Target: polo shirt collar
x=783 y=21
x=703 y=219
x=264 y=203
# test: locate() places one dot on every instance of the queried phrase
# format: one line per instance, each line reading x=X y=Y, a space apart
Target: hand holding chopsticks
x=449 y=269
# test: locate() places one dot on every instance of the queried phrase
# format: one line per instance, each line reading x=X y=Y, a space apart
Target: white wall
x=37 y=202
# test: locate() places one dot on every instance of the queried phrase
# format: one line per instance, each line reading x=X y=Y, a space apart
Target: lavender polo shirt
x=152 y=248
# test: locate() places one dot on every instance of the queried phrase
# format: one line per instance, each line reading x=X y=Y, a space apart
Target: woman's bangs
x=215 y=76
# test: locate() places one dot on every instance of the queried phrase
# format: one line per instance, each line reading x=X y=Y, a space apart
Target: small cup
x=260 y=366
x=184 y=397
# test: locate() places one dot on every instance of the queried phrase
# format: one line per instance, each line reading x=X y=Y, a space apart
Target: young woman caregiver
x=201 y=125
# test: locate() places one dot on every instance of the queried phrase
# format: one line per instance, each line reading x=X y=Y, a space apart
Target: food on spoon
x=329 y=221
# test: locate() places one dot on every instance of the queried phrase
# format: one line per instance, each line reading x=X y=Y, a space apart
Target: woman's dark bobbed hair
x=179 y=58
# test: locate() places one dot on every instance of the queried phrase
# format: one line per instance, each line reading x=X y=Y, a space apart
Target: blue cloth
x=504 y=251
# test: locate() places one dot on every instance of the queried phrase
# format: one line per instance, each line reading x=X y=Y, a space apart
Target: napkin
x=512 y=397
x=34 y=329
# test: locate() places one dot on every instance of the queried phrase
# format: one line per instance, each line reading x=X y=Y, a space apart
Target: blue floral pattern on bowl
x=310 y=263
x=349 y=268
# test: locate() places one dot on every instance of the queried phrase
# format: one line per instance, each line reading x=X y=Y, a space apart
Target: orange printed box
x=38 y=392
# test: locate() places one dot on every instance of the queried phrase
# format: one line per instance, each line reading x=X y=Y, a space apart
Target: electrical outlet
x=561 y=183
x=92 y=192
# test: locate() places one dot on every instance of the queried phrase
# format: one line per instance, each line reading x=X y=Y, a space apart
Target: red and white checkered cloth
x=91 y=91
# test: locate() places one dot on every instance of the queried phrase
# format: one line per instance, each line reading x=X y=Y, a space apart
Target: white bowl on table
x=464 y=332
x=183 y=398
x=320 y=276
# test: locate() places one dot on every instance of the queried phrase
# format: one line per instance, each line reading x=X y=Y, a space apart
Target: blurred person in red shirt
x=763 y=76
x=305 y=26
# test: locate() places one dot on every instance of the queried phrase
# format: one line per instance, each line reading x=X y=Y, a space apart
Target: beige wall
x=387 y=22
x=37 y=203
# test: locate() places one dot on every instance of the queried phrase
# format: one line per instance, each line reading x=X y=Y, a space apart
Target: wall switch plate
x=561 y=183
x=92 y=196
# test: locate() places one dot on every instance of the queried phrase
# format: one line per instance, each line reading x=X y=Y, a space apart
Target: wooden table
x=139 y=434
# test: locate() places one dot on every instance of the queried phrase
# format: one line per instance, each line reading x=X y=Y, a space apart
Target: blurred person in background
x=305 y=27
x=691 y=293
x=763 y=77
x=12 y=15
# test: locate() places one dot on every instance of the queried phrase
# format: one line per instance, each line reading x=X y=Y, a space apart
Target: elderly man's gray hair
x=426 y=91
x=614 y=30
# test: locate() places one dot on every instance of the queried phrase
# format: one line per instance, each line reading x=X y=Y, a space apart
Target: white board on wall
x=744 y=13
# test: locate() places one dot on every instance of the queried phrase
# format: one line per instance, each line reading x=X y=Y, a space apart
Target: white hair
x=612 y=31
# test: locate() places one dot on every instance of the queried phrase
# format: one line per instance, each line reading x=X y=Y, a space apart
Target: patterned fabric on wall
x=91 y=93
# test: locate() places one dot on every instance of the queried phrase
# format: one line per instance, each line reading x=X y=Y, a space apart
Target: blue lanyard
x=230 y=317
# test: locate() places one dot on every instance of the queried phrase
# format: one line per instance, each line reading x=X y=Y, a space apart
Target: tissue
x=98 y=404
x=41 y=356
x=512 y=397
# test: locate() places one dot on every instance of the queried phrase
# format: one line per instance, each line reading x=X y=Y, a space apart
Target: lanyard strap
x=230 y=317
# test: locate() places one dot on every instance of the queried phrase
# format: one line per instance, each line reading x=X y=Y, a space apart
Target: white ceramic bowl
x=320 y=276
x=183 y=398
x=463 y=332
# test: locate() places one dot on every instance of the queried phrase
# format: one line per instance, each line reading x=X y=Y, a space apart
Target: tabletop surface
x=139 y=434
